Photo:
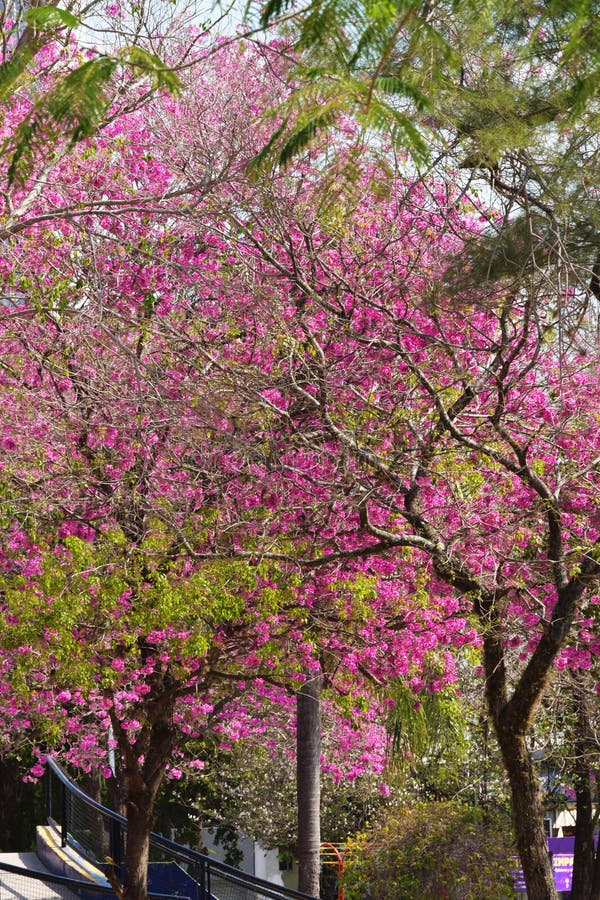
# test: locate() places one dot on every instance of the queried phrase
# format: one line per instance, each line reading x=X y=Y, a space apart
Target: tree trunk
x=583 y=854
x=595 y=889
x=595 y=892
x=585 y=748
x=308 y=773
x=528 y=815
x=142 y=770
x=139 y=826
x=512 y=716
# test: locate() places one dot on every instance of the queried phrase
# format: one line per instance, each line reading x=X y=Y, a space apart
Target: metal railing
x=100 y=834
x=18 y=883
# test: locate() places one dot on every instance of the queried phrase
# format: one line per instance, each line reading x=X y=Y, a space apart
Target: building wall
x=255 y=860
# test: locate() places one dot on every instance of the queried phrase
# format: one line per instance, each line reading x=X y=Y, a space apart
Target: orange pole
x=340 y=867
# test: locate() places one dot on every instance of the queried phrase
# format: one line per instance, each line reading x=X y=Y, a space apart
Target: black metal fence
x=17 y=883
x=100 y=834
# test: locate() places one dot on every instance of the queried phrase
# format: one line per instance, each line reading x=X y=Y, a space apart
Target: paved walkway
x=21 y=887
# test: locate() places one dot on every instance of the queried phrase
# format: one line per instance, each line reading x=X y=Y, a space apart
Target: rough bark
x=595 y=892
x=139 y=825
x=308 y=773
x=528 y=814
x=585 y=747
x=511 y=719
x=583 y=856
x=141 y=782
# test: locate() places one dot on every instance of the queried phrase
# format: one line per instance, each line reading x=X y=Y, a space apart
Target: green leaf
x=11 y=70
x=73 y=109
x=301 y=137
x=41 y=19
x=48 y=17
x=257 y=161
x=271 y=10
x=149 y=64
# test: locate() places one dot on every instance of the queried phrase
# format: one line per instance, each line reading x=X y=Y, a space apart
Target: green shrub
x=442 y=850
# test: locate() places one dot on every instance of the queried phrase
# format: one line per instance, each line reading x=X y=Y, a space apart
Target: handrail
x=75 y=884
x=267 y=888
x=81 y=795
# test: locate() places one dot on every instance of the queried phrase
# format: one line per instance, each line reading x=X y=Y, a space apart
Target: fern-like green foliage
x=41 y=22
x=422 y=725
x=478 y=91
x=365 y=61
x=428 y=73
x=74 y=108
x=506 y=253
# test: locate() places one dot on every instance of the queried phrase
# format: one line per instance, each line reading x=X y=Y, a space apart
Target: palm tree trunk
x=308 y=773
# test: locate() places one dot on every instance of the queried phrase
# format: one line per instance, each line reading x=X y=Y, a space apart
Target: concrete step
x=65 y=860
x=14 y=886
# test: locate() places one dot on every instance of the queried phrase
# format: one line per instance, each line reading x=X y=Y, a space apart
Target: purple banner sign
x=561 y=851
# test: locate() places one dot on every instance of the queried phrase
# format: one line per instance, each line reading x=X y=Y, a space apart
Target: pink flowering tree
x=292 y=412
x=142 y=592
x=249 y=786
x=118 y=636
x=90 y=61
x=111 y=628
x=441 y=426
